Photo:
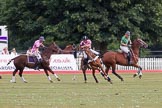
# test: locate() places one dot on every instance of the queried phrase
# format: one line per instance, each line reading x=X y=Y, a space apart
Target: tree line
x=66 y=21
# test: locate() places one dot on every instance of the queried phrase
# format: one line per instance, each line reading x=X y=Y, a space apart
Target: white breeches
x=124 y=49
x=93 y=51
x=84 y=55
x=37 y=54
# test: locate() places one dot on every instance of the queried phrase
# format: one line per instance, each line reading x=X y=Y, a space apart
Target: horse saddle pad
x=32 y=59
x=125 y=54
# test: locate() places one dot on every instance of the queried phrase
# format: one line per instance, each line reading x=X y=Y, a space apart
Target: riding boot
x=85 y=61
x=128 y=57
x=100 y=56
x=37 y=64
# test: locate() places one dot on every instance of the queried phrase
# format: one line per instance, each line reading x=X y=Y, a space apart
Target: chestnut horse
x=95 y=64
x=111 y=58
x=69 y=49
x=20 y=62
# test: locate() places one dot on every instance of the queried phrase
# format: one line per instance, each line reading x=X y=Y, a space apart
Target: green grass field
x=68 y=93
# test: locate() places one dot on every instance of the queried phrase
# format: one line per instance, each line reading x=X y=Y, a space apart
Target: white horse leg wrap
x=55 y=75
x=49 y=78
x=140 y=73
x=13 y=79
x=23 y=78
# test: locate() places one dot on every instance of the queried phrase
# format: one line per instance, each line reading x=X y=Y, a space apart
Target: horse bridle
x=142 y=43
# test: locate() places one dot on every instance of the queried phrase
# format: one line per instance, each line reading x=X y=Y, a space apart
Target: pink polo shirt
x=36 y=45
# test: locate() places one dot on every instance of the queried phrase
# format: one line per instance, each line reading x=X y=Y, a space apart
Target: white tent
x=3 y=37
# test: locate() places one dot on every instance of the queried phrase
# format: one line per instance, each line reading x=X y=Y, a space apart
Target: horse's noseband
x=142 y=43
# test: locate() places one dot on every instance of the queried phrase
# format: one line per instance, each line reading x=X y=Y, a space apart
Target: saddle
x=32 y=59
x=126 y=55
x=87 y=61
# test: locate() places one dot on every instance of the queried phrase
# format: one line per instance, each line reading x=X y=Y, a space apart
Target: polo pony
x=21 y=61
x=95 y=63
x=69 y=49
x=111 y=58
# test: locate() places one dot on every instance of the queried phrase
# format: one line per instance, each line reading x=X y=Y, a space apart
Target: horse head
x=140 y=43
x=54 y=48
x=70 y=47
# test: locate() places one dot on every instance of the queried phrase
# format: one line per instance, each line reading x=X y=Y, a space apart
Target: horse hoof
x=25 y=82
x=140 y=76
x=12 y=81
x=134 y=75
x=51 y=81
x=110 y=82
x=108 y=79
x=73 y=79
x=58 y=79
x=122 y=79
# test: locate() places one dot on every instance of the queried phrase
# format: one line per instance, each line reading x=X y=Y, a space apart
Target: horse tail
x=10 y=61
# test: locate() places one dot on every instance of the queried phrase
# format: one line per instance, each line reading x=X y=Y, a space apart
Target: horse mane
x=67 y=47
x=47 y=46
x=52 y=48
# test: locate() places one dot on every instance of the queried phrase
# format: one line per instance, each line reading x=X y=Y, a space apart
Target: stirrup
x=129 y=62
x=36 y=68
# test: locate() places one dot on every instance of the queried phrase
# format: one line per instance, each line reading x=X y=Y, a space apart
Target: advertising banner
x=58 y=62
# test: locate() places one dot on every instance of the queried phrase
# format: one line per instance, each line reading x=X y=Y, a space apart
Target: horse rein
x=142 y=43
x=134 y=56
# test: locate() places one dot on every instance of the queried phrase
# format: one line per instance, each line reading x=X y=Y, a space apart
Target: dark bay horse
x=111 y=58
x=95 y=64
x=20 y=62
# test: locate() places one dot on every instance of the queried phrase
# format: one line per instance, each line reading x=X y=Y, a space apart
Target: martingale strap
x=133 y=55
x=95 y=58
